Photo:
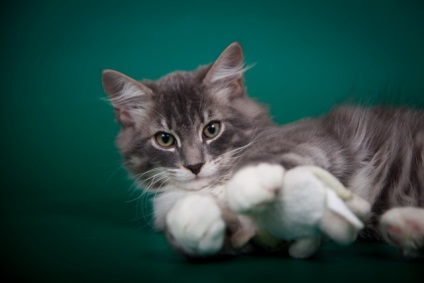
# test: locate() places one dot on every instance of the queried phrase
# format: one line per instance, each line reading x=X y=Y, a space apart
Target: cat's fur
x=378 y=153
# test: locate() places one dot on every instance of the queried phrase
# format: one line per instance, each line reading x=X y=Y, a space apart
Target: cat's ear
x=129 y=97
x=225 y=76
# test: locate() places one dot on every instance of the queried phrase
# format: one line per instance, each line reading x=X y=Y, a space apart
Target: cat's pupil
x=166 y=138
x=212 y=129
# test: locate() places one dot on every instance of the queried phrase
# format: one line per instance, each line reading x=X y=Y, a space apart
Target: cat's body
x=186 y=134
x=377 y=153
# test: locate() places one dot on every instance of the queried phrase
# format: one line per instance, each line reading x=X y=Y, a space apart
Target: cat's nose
x=195 y=168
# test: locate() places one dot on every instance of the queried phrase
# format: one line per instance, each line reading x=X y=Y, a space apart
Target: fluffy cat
x=184 y=136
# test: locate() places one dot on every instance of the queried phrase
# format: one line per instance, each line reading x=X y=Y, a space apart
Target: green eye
x=211 y=130
x=164 y=139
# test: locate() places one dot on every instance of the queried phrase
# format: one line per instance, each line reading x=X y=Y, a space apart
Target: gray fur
x=378 y=152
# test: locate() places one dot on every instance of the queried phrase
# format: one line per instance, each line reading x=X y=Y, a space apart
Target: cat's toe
x=196 y=225
x=403 y=227
x=253 y=187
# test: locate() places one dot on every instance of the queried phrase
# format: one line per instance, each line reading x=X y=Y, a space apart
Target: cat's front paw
x=403 y=227
x=196 y=225
x=253 y=187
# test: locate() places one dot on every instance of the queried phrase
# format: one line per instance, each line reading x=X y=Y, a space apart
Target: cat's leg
x=304 y=247
x=403 y=227
x=195 y=225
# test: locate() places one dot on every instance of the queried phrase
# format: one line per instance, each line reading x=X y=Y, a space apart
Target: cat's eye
x=164 y=139
x=211 y=130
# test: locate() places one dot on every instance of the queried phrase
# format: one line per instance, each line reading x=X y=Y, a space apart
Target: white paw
x=253 y=187
x=404 y=227
x=196 y=225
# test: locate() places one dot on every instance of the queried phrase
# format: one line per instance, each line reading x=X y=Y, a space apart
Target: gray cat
x=185 y=135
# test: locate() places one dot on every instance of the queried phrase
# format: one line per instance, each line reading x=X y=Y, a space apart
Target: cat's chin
x=196 y=184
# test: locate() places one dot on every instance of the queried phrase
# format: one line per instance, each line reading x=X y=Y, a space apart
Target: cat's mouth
x=197 y=183
x=198 y=179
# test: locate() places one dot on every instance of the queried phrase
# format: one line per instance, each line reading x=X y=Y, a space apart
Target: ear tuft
x=225 y=77
x=228 y=66
x=122 y=90
x=129 y=98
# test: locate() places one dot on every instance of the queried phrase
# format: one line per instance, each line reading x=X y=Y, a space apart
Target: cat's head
x=187 y=129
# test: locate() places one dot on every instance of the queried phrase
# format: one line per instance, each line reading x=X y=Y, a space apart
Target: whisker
x=140 y=183
x=116 y=171
x=147 y=217
x=149 y=171
x=137 y=198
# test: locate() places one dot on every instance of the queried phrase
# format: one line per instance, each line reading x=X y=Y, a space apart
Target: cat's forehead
x=182 y=101
x=176 y=81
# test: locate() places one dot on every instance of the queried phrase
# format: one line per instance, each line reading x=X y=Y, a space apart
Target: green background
x=68 y=210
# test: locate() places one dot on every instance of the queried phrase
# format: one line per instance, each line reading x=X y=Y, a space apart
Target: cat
x=184 y=136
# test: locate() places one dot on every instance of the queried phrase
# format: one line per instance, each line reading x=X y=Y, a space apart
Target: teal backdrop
x=69 y=212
